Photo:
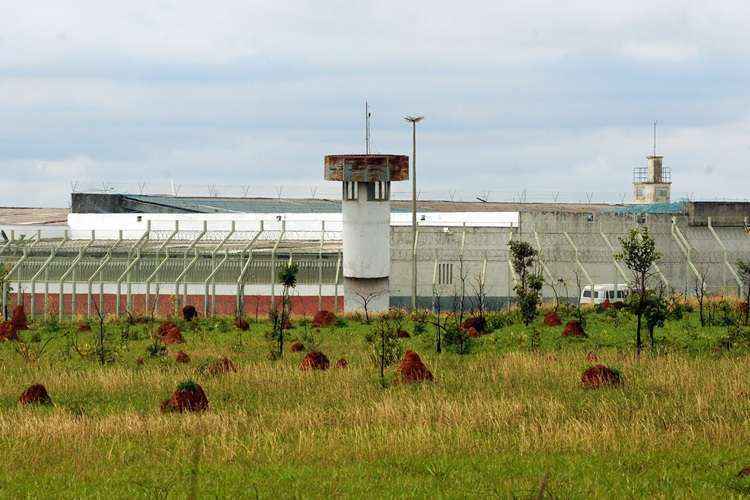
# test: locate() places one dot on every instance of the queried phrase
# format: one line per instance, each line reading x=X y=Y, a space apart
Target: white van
x=616 y=292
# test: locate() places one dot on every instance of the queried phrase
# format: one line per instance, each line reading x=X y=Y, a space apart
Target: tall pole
x=414 y=120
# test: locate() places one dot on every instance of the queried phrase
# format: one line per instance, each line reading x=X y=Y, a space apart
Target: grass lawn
x=499 y=420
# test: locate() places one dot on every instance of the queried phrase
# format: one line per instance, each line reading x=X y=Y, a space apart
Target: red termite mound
x=606 y=304
x=473 y=333
x=600 y=376
x=573 y=329
x=412 y=369
x=241 y=324
x=591 y=357
x=8 y=331
x=221 y=366
x=83 y=326
x=552 y=319
x=191 y=398
x=323 y=318
x=169 y=333
x=189 y=313
x=314 y=360
x=745 y=472
x=296 y=346
x=476 y=322
x=342 y=363
x=403 y=334
x=18 y=320
x=182 y=357
x=36 y=394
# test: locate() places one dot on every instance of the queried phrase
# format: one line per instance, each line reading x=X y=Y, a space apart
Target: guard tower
x=653 y=183
x=366 y=210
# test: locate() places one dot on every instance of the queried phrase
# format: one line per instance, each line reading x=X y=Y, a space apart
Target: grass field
x=498 y=421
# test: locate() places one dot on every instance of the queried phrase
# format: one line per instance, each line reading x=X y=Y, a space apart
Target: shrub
x=189 y=313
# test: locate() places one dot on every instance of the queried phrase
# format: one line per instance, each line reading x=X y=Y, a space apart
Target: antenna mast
x=367 y=128
x=655 y=122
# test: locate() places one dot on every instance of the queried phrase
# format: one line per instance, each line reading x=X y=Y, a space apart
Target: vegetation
x=639 y=254
x=499 y=420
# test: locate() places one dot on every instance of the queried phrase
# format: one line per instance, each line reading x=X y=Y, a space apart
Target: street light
x=414 y=120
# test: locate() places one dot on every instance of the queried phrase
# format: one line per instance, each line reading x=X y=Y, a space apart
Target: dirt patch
x=8 y=331
x=36 y=394
x=296 y=346
x=476 y=322
x=552 y=319
x=600 y=376
x=182 y=357
x=574 y=328
x=189 y=313
x=18 y=320
x=403 y=334
x=745 y=472
x=591 y=357
x=83 y=326
x=169 y=333
x=241 y=324
x=140 y=361
x=314 y=360
x=342 y=363
x=412 y=369
x=472 y=332
x=323 y=318
x=189 y=396
x=220 y=367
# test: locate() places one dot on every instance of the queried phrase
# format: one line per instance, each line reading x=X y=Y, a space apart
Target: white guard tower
x=366 y=210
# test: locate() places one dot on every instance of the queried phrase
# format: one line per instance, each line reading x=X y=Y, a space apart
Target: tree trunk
x=651 y=336
x=638 y=343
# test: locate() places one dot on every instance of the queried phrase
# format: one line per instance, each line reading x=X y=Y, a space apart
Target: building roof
x=14 y=216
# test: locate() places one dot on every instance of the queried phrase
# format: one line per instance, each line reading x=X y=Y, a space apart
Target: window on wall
x=445 y=273
x=350 y=190
x=378 y=191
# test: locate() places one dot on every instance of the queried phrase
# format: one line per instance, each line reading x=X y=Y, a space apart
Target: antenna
x=655 y=122
x=367 y=128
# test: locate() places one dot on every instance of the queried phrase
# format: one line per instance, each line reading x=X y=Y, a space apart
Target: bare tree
x=700 y=293
x=366 y=298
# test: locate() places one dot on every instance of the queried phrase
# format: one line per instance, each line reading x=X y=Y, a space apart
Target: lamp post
x=414 y=120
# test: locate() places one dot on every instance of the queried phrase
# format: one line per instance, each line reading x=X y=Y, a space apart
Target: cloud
x=537 y=95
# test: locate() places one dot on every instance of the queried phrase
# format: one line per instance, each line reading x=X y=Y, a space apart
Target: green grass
x=495 y=422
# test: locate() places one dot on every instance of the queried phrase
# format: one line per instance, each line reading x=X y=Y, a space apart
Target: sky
x=543 y=99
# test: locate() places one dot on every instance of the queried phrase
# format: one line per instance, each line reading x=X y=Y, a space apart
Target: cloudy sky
x=543 y=96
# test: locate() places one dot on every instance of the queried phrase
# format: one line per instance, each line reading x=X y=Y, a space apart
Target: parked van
x=617 y=292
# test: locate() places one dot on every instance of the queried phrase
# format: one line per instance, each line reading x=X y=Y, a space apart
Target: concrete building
x=222 y=254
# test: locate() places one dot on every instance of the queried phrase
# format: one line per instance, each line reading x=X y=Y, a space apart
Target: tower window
x=350 y=191
x=378 y=191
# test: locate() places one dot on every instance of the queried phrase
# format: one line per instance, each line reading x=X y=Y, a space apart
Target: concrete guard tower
x=652 y=184
x=366 y=210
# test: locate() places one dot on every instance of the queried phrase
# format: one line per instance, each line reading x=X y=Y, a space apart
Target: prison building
x=139 y=254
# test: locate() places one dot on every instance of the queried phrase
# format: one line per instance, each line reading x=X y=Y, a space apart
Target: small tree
x=365 y=299
x=524 y=259
x=288 y=279
x=639 y=254
x=700 y=294
x=384 y=341
x=655 y=312
x=744 y=269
